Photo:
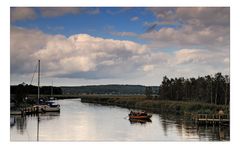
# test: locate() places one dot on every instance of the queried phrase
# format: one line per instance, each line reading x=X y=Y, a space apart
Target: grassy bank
x=164 y=106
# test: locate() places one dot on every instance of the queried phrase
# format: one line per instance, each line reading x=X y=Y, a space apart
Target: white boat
x=50 y=107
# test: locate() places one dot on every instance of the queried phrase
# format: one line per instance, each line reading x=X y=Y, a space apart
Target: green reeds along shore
x=156 y=105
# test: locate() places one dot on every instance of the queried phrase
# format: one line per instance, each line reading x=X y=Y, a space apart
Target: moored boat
x=139 y=115
x=48 y=106
x=51 y=107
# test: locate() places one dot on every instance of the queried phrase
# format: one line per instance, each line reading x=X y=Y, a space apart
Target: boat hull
x=142 y=121
x=140 y=117
x=47 y=108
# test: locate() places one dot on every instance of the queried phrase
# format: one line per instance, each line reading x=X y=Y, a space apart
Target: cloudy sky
x=85 y=46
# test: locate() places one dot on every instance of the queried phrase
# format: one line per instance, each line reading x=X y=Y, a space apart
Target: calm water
x=88 y=122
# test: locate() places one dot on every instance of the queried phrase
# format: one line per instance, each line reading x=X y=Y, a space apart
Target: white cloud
x=226 y=60
x=187 y=36
x=78 y=63
x=148 y=68
x=198 y=57
x=108 y=62
x=71 y=56
x=130 y=34
x=196 y=27
x=135 y=18
x=82 y=56
x=184 y=56
x=23 y=44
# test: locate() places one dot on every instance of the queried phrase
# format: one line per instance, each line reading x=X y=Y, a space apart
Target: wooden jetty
x=16 y=112
x=27 y=111
x=211 y=119
x=30 y=110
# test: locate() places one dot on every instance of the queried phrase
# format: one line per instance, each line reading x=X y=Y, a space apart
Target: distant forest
x=209 y=89
x=108 y=89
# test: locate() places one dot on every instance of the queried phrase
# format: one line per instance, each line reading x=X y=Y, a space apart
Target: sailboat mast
x=38 y=80
x=38 y=100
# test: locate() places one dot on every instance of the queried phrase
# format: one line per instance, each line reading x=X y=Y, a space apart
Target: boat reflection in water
x=49 y=116
x=12 y=121
x=20 y=122
x=141 y=121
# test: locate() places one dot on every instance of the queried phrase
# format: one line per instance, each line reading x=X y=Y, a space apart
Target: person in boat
x=131 y=113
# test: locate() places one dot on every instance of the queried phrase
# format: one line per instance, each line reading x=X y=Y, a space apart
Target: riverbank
x=163 y=106
x=109 y=123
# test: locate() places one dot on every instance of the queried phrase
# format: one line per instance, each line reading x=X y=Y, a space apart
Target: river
x=79 y=121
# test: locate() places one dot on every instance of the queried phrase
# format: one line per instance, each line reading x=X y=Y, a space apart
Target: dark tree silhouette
x=206 y=89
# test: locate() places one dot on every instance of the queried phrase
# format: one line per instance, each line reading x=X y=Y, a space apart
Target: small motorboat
x=139 y=115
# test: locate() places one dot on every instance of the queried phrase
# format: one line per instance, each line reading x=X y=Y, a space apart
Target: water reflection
x=141 y=121
x=19 y=122
x=49 y=116
x=88 y=122
x=188 y=129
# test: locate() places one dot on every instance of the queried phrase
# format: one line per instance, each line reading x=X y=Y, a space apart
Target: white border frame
x=234 y=68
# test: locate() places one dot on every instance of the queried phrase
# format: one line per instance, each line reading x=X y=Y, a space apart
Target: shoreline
x=155 y=105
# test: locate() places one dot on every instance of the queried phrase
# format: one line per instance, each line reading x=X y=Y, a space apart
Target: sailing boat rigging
x=45 y=106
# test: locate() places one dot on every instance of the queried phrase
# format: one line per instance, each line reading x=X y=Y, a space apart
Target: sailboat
x=48 y=106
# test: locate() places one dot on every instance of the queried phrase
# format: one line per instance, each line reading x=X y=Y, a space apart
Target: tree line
x=115 y=89
x=31 y=89
x=22 y=91
x=209 y=89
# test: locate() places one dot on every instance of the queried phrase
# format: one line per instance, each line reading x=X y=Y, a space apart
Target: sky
x=113 y=45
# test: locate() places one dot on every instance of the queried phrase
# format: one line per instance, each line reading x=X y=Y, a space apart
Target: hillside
x=107 y=89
